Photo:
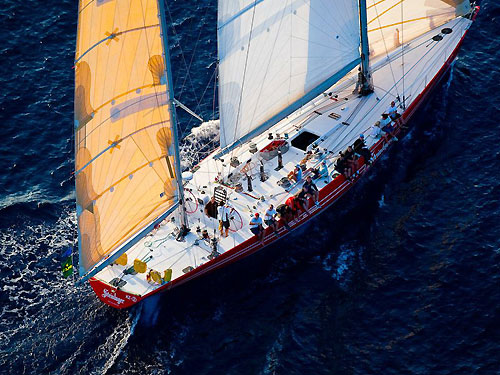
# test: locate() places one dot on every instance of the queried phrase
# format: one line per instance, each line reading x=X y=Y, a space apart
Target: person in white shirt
x=256 y=227
x=386 y=125
x=224 y=217
x=270 y=219
x=393 y=111
x=376 y=132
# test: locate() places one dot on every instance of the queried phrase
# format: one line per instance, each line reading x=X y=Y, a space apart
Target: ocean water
x=400 y=277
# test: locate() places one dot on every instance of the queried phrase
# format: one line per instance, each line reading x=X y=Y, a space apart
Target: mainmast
x=365 y=79
x=173 y=116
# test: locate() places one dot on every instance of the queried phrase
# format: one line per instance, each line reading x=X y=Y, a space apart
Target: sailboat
x=299 y=82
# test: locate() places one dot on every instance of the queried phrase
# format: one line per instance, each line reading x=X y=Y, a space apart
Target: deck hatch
x=303 y=140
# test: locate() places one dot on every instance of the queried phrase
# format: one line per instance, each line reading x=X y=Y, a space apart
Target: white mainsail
x=394 y=22
x=275 y=55
x=124 y=164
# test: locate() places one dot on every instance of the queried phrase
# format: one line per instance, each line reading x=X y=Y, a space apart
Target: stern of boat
x=113 y=296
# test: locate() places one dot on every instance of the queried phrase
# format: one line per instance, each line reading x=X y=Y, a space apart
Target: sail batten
x=124 y=166
x=274 y=54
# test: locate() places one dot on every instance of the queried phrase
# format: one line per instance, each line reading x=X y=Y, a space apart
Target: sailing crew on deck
x=256 y=227
x=270 y=219
x=296 y=174
x=224 y=217
x=342 y=167
x=286 y=215
x=386 y=124
x=360 y=148
x=393 y=111
x=321 y=172
x=211 y=208
x=352 y=159
x=307 y=157
x=311 y=190
x=376 y=132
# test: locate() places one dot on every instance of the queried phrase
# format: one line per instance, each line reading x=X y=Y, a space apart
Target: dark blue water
x=401 y=277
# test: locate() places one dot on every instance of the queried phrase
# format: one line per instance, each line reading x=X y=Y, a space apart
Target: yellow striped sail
x=394 y=22
x=124 y=164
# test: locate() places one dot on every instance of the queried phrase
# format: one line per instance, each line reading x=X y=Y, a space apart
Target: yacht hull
x=329 y=194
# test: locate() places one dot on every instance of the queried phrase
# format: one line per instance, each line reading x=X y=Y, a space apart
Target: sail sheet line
x=112 y=36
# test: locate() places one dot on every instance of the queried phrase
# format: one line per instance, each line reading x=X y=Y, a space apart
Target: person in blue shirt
x=256 y=227
x=296 y=174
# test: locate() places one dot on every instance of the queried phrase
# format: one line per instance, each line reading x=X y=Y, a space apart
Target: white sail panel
x=394 y=22
x=274 y=52
x=124 y=167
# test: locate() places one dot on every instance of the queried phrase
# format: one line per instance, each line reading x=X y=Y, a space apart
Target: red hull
x=328 y=195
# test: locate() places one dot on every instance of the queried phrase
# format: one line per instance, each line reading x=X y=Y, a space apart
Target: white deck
x=423 y=59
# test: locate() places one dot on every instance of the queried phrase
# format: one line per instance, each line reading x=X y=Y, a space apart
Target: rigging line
x=215 y=89
x=386 y=50
x=403 y=56
x=192 y=56
x=182 y=53
x=384 y=12
x=187 y=128
x=244 y=71
x=81 y=10
x=375 y=4
x=113 y=36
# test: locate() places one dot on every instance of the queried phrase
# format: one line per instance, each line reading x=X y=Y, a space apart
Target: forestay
x=394 y=22
x=276 y=54
x=125 y=176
